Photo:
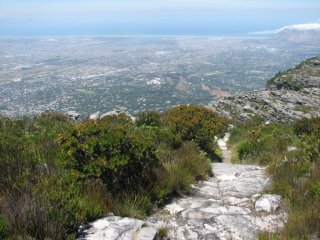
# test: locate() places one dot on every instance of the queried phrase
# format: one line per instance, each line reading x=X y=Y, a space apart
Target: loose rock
x=268 y=203
x=94 y=116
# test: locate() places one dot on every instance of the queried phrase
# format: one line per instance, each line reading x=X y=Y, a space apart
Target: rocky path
x=226 y=153
x=226 y=206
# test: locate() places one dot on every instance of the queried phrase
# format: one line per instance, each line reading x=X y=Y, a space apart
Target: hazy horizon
x=151 y=17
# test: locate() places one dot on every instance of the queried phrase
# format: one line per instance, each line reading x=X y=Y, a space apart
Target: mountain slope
x=300 y=33
x=290 y=95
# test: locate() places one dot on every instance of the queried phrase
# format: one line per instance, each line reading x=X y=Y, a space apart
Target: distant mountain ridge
x=289 y=95
x=300 y=32
x=299 y=35
x=307 y=32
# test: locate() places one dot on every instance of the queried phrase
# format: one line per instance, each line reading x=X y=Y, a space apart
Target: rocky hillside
x=289 y=95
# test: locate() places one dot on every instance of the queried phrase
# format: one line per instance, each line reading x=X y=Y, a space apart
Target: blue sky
x=152 y=17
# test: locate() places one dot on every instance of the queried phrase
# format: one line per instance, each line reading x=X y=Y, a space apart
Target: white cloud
x=266 y=32
x=299 y=27
x=302 y=27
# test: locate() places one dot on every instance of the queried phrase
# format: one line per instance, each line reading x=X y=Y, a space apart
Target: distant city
x=133 y=74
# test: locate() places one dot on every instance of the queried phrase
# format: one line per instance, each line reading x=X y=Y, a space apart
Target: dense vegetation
x=292 y=154
x=57 y=174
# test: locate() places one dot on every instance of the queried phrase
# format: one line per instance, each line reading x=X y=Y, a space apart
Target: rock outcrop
x=97 y=115
x=290 y=95
x=116 y=113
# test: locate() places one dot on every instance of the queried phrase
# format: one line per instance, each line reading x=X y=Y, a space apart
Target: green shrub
x=34 y=202
x=244 y=149
x=196 y=123
x=306 y=126
x=315 y=188
x=261 y=144
x=149 y=118
x=57 y=174
x=28 y=149
x=165 y=135
x=113 y=150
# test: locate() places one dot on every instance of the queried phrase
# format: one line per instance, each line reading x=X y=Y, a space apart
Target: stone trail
x=228 y=205
x=226 y=153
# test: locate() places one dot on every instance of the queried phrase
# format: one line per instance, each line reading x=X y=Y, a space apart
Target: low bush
x=196 y=123
x=58 y=174
x=296 y=173
x=35 y=203
x=261 y=144
x=111 y=150
x=149 y=118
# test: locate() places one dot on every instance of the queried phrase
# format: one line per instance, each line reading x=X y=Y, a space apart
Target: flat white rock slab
x=119 y=228
x=223 y=207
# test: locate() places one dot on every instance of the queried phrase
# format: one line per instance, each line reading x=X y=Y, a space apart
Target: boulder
x=268 y=203
x=243 y=116
x=114 y=112
x=248 y=107
x=94 y=116
x=117 y=112
x=73 y=115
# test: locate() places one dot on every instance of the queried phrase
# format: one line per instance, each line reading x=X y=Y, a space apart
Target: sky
x=152 y=17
